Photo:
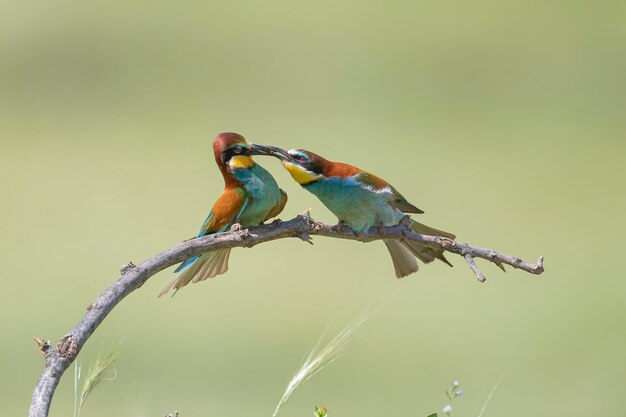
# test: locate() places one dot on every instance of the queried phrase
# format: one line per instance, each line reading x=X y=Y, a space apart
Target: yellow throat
x=240 y=161
x=301 y=175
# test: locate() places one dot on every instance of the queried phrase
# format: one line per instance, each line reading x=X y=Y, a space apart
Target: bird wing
x=279 y=207
x=224 y=214
x=402 y=204
x=225 y=211
x=378 y=184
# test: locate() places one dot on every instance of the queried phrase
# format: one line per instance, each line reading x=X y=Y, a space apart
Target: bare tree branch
x=59 y=358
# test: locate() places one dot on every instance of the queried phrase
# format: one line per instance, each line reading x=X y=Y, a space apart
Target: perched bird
x=360 y=200
x=251 y=196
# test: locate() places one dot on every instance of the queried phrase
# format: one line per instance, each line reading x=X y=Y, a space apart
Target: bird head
x=232 y=151
x=304 y=166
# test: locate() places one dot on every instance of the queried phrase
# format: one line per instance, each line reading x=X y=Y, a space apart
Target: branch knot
x=125 y=268
x=445 y=242
x=68 y=347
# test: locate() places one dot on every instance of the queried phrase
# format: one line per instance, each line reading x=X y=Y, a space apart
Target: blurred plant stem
x=103 y=369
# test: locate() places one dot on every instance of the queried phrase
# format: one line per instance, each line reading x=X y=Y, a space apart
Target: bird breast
x=262 y=190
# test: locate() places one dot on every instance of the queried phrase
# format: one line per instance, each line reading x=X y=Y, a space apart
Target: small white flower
x=458 y=393
x=456 y=384
x=447 y=409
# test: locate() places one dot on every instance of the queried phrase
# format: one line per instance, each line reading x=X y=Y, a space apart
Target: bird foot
x=277 y=221
x=235 y=227
x=341 y=227
x=380 y=227
x=406 y=220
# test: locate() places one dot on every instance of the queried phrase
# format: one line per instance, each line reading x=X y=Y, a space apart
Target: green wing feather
x=397 y=200
x=402 y=204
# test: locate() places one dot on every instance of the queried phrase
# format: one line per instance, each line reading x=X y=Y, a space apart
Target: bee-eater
x=250 y=197
x=360 y=200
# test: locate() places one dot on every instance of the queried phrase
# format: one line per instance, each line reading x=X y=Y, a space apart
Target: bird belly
x=358 y=207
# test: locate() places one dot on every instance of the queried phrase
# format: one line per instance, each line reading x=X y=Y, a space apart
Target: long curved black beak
x=271 y=151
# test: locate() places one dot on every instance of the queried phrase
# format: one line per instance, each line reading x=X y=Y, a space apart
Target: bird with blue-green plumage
x=250 y=197
x=360 y=200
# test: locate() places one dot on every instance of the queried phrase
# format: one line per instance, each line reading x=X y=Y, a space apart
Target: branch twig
x=59 y=358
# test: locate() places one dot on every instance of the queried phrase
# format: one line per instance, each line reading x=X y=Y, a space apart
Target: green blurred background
x=503 y=120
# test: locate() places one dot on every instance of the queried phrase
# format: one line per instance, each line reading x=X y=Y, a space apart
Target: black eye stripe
x=227 y=154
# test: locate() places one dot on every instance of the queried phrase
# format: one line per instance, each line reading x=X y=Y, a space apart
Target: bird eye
x=237 y=150
x=300 y=158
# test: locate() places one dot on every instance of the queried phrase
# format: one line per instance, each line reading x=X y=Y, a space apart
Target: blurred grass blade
x=482 y=410
x=76 y=382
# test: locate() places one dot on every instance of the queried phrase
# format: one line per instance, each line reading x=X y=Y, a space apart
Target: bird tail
x=208 y=265
x=403 y=260
x=424 y=252
x=403 y=254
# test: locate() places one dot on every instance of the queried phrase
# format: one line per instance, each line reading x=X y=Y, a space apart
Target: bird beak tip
x=270 y=151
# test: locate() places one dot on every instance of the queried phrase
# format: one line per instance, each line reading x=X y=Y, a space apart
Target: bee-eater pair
x=251 y=196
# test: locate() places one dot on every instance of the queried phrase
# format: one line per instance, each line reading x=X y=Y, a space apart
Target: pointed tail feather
x=185 y=264
x=431 y=231
x=403 y=260
x=208 y=265
x=183 y=278
x=424 y=252
x=215 y=264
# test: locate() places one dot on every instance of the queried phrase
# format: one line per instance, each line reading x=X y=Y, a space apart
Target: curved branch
x=58 y=359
